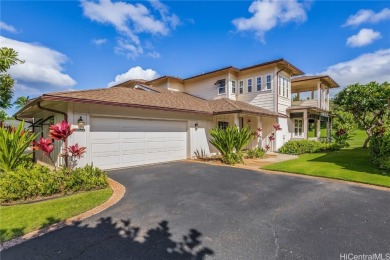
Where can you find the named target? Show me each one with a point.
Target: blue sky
(90, 44)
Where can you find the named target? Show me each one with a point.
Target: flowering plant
(277, 127)
(61, 131)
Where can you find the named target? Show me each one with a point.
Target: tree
(367, 103)
(3, 115)
(21, 101)
(8, 57)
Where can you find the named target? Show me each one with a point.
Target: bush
(341, 137)
(380, 150)
(230, 142)
(255, 153)
(307, 146)
(31, 181)
(13, 144)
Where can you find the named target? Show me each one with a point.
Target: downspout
(66, 120)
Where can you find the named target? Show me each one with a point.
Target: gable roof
(159, 99)
(282, 63)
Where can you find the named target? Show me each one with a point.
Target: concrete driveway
(188, 210)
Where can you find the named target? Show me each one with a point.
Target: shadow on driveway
(111, 240)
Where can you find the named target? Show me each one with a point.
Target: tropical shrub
(307, 146)
(341, 137)
(255, 153)
(13, 145)
(30, 181)
(230, 142)
(380, 148)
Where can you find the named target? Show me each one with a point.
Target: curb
(118, 193)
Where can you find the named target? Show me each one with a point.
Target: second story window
(249, 85)
(269, 82)
(241, 87)
(221, 85)
(258, 83)
(233, 87)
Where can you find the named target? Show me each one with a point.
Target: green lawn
(20, 219)
(352, 164)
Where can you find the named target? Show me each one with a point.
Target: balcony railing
(311, 103)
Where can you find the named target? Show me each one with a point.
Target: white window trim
(247, 85)
(261, 83)
(222, 121)
(234, 87)
(302, 128)
(221, 94)
(266, 82)
(240, 87)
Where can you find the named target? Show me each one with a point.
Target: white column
(319, 94)
(259, 125)
(328, 101)
(305, 124)
(318, 129)
(236, 120)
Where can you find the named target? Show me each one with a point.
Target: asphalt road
(188, 210)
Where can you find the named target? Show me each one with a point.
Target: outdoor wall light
(196, 125)
(80, 123)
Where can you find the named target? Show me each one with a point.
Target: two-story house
(141, 122)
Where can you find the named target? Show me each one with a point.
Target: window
(241, 86)
(298, 127)
(221, 84)
(233, 87)
(223, 125)
(286, 87)
(269, 82)
(249, 85)
(283, 86)
(280, 85)
(258, 83)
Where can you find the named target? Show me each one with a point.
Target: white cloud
(126, 48)
(134, 73)
(365, 68)
(267, 14)
(154, 54)
(42, 69)
(99, 42)
(363, 37)
(7, 27)
(130, 20)
(367, 16)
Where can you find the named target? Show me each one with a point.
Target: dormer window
(221, 85)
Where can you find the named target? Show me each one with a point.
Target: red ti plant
(277, 127)
(271, 137)
(74, 151)
(267, 147)
(44, 145)
(61, 131)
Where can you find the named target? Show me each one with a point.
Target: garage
(123, 142)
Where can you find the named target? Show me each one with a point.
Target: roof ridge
(74, 91)
(230, 103)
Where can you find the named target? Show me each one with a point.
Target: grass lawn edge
(339, 180)
(118, 191)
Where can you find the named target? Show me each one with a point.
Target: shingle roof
(159, 99)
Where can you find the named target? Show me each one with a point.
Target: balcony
(324, 105)
(312, 91)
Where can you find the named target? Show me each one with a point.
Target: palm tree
(21, 101)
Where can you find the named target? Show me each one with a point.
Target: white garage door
(119, 142)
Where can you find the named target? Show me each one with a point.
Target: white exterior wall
(174, 85)
(205, 88)
(264, 98)
(282, 136)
